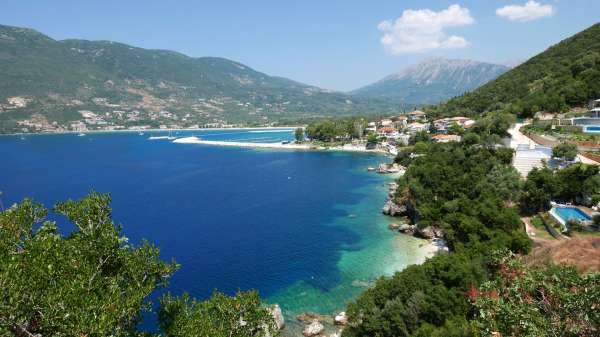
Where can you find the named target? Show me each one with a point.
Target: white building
(417, 127)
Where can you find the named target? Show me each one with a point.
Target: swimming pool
(591, 129)
(571, 213)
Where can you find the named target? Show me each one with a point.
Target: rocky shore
(407, 225)
(314, 324)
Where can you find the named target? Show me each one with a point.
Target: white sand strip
(279, 145)
(196, 140)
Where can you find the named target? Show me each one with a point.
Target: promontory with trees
(92, 282)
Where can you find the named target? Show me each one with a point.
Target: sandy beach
(278, 145)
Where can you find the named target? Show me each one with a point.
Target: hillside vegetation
(471, 192)
(565, 75)
(57, 80)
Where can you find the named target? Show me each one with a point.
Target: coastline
(291, 128)
(290, 146)
(380, 253)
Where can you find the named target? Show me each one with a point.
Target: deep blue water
(276, 221)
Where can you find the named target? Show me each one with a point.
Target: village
(398, 130)
(102, 114)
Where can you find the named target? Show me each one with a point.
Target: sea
(304, 228)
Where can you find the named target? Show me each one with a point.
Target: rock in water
(394, 226)
(341, 318)
(387, 207)
(396, 209)
(426, 233)
(277, 316)
(407, 229)
(313, 329)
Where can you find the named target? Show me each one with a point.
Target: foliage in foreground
(240, 316)
(92, 282)
(553, 301)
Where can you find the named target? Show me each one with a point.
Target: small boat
(168, 137)
(141, 133)
(81, 134)
(371, 169)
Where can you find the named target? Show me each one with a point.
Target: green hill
(54, 81)
(565, 75)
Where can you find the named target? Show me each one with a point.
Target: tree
(299, 135)
(92, 282)
(596, 221)
(220, 316)
(578, 182)
(525, 301)
(539, 189)
(421, 136)
(359, 128)
(564, 151)
(503, 182)
(456, 129)
(372, 138)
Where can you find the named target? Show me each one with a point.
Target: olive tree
(93, 282)
(564, 151)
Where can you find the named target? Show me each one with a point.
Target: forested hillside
(563, 76)
(43, 81)
(470, 191)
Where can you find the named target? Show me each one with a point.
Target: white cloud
(423, 29)
(532, 10)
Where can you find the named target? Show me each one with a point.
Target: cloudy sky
(334, 44)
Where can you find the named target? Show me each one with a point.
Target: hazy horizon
(338, 45)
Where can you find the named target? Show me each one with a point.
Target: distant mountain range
(48, 82)
(433, 81)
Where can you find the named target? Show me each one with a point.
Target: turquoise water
(572, 213)
(304, 228)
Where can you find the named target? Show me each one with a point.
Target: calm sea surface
(304, 228)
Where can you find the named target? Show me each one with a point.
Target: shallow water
(304, 228)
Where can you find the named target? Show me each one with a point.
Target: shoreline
(291, 128)
(281, 146)
(381, 254)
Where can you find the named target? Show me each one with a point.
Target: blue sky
(334, 44)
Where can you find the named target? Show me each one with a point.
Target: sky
(334, 44)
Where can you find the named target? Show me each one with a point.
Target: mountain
(565, 75)
(433, 81)
(49, 84)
